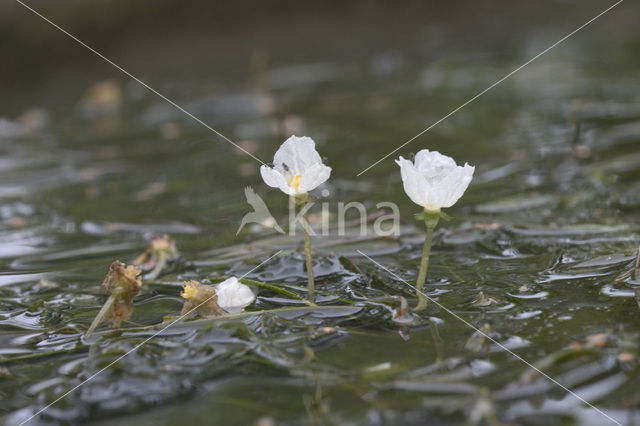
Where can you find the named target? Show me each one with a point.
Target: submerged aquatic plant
(122, 283)
(297, 169)
(433, 181)
(160, 250)
(228, 297)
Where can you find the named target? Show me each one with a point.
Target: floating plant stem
(160, 263)
(103, 311)
(431, 220)
(276, 289)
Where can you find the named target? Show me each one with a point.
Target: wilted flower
(122, 282)
(233, 296)
(156, 247)
(201, 299)
(230, 296)
(160, 250)
(433, 180)
(297, 167)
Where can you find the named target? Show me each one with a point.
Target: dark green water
(539, 253)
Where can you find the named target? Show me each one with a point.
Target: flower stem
(307, 252)
(98, 319)
(431, 220)
(302, 200)
(160, 264)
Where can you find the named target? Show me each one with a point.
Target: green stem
(276, 289)
(161, 262)
(100, 315)
(302, 200)
(431, 220)
(307, 252)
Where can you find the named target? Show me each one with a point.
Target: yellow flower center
(294, 182)
(188, 291)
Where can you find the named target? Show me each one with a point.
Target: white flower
(434, 181)
(297, 167)
(233, 296)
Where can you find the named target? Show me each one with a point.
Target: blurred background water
(540, 253)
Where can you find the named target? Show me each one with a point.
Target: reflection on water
(540, 255)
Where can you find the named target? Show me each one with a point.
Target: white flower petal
(434, 181)
(233, 296)
(275, 179)
(315, 176)
(413, 182)
(431, 163)
(296, 154)
(457, 183)
(297, 167)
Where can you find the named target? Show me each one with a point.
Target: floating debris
(483, 300)
(625, 357)
(487, 226)
(479, 342)
(44, 284)
(402, 313)
(4, 372)
(483, 410)
(598, 340)
(122, 283)
(102, 98)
